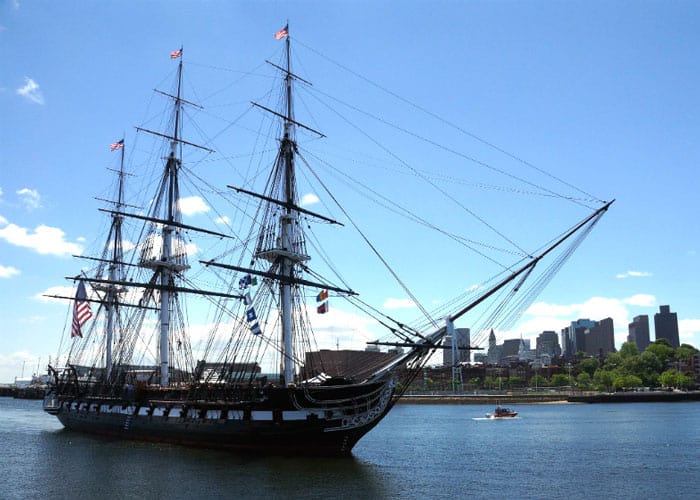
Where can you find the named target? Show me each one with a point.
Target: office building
(666, 326)
(639, 332)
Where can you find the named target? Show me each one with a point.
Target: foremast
(115, 268)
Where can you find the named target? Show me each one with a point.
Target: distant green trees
(628, 368)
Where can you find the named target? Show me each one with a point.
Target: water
(419, 451)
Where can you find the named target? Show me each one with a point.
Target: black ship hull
(319, 421)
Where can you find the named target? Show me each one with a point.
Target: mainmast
(286, 250)
(168, 266)
(288, 226)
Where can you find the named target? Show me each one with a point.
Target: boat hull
(331, 427)
(502, 417)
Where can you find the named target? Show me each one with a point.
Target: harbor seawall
(551, 398)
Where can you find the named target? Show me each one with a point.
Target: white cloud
(392, 303)
(61, 291)
(191, 249)
(45, 240)
(634, 274)
(191, 205)
(31, 91)
(309, 199)
(3, 221)
(689, 330)
(223, 220)
(341, 328)
(8, 271)
(641, 299)
(30, 197)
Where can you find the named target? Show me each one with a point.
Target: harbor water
(641, 450)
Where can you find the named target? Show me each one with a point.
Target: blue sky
(602, 94)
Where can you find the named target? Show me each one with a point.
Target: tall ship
(142, 364)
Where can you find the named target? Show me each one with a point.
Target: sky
(604, 95)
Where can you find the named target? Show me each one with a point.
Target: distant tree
(475, 382)
(626, 382)
(589, 365)
(584, 380)
(490, 382)
(685, 352)
(560, 380)
(662, 350)
(651, 362)
(684, 381)
(538, 380)
(674, 378)
(512, 382)
(669, 378)
(603, 379)
(613, 360)
(628, 349)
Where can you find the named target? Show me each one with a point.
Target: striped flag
(116, 145)
(81, 310)
(175, 54)
(282, 33)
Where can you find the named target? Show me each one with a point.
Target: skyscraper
(666, 326)
(574, 337)
(548, 343)
(639, 332)
(600, 339)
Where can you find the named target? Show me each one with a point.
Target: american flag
(175, 54)
(282, 33)
(116, 145)
(81, 310)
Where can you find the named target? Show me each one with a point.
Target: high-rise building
(666, 326)
(494, 352)
(574, 336)
(600, 339)
(548, 343)
(639, 331)
(463, 336)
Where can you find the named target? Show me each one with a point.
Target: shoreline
(557, 398)
(483, 399)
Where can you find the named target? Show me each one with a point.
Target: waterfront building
(494, 352)
(666, 326)
(509, 351)
(639, 332)
(600, 339)
(548, 343)
(573, 337)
